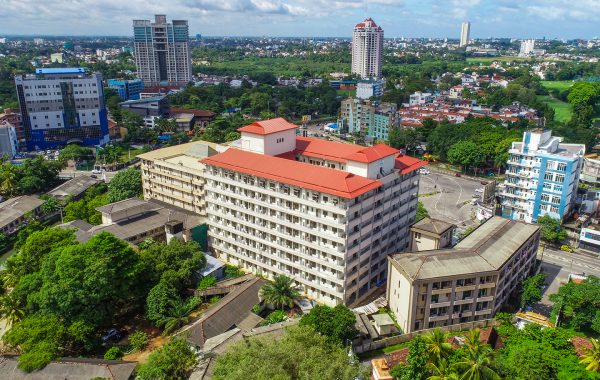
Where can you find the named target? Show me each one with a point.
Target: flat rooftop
(73, 187)
(486, 249)
(189, 154)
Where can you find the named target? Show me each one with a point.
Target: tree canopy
(173, 361)
(125, 184)
(551, 230)
(299, 354)
(577, 305)
(336, 323)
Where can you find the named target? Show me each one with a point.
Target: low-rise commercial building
(466, 283)
(150, 109)
(367, 89)
(74, 189)
(127, 89)
(326, 214)
(14, 212)
(590, 173)
(175, 175)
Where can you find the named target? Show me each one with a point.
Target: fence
(390, 341)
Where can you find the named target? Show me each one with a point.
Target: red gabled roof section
(368, 23)
(407, 164)
(266, 127)
(327, 150)
(373, 153)
(325, 180)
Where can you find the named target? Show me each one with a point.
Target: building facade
(326, 214)
(469, 282)
(162, 51)
(127, 89)
(372, 119)
(465, 33)
(527, 47)
(175, 176)
(366, 89)
(13, 118)
(541, 177)
(367, 49)
(150, 109)
(590, 173)
(9, 143)
(62, 105)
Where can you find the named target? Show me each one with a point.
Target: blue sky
(399, 18)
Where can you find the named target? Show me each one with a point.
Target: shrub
(275, 317)
(207, 282)
(113, 353)
(138, 340)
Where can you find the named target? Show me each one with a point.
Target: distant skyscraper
(367, 49)
(465, 31)
(162, 51)
(527, 47)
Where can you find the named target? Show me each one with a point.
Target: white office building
(367, 89)
(541, 177)
(465, 33)
(367, 49)
(162, 51)
(326, 214)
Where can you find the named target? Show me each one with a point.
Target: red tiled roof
(266, 127)
(407, 164)
(326, 180)
(373, 153)
(396, 357)
(582, 345)
(327, 150)
(368, 23)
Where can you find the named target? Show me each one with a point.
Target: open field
(346, 93)
(559, 85)
(562, 110)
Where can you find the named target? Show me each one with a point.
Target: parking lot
(449, 198)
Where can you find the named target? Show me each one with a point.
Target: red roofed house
(324, 213)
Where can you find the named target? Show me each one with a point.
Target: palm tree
(179, 315)
(281, 292)
(592, 358)
(441, 371)
(477, 364)
(9, 180)
(10, 309)
(438, 347)
(473, 341)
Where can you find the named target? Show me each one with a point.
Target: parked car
(424, 171)
(112, 335)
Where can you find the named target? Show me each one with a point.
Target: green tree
(437, 344)
(11, 309)
(173, 361)
(178, 314)
(441, 371)
(404, 138)
(125, 184)
(591, 359)
(281, 292)
(532, 289)
(551, 230)
(422, 212)
(113, 353)
(159, 300)
(577, 304)
(467, 154)
(207, 282)
(336, 323)
(299, 354)
(138, 340)
(50, 206)
(477, 365)
(415, 367)
(75, 152)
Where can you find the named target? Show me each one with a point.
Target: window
(417, 235)
(548, 176)
(554, 209)
(561, 166)
(545, 198)
(547, 186)
(559, 178)
(556, 200)
(558, 188)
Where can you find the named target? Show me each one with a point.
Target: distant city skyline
(310, 18)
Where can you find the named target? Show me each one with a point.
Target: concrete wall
(271, 144)
(400, 298)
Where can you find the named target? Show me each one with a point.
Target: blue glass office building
(127, 89)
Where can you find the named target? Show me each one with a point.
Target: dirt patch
(142, 356)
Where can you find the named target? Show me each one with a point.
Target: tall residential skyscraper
(62, 105)
(541, 177)
(162, 51)
(367, 49)
(527, 47)
(465, 31)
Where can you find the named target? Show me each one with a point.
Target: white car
(424, 171)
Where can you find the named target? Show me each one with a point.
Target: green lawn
(559, 85)
(562, 110)
(125, 155)
(346, 93)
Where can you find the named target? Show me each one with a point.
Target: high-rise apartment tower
(162, 51)
(465, 31)
(367, 49)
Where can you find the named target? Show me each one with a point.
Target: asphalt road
(558, 265)
(448, 198)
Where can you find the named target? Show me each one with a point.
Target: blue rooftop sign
(61, 70)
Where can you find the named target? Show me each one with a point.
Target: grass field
(346, 93)
(562, 110)
(494, 59)
(559, 85)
